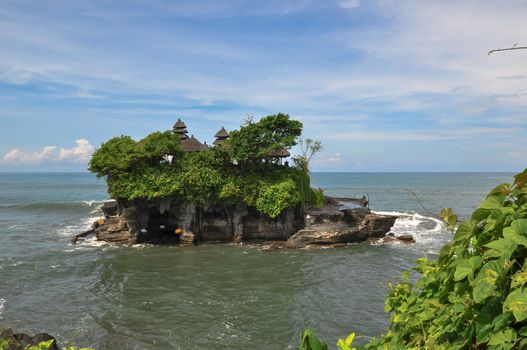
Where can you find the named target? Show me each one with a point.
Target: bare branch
(514, 47)
(418, 200)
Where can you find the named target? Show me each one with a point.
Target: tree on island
(243, 168)
(256, 142)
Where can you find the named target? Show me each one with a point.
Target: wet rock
(109, 208)
(330, 226)
(156, 221)
(21, 341)
(407, 239)
(188, 239)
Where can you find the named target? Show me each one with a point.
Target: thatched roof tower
(221, 136)
(181, 129)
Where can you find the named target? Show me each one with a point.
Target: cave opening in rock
(161, 228)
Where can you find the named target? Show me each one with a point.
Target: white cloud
(79, 155)
(350, 4)
(328, 160)
(17, 156)
(445, 134)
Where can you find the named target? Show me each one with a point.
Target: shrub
(475, 295)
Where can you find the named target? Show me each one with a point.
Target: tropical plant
(475, 295)
(257, 141)
(115, 157)
(309, 148)
(156, 146)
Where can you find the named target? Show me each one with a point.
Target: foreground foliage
(475, 295)
(46, 345)
(242, 171)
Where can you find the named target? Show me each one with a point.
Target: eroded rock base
(174, 222)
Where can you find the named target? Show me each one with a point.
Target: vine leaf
(516, 302)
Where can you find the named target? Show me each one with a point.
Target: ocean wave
(426, 230)
(91, 205)
(2, 303)
(82, 225)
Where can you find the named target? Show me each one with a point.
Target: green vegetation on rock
(246, 169)
(475, 295)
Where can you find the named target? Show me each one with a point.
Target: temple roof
(179, 124)
(222, 134)
(192, 145)
(279, 153)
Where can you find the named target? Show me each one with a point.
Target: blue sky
(386, 85)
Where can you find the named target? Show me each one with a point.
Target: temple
(221, 137)
(188, 144)
(191, 144)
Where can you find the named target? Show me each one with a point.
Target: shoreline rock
(21, 341)
(173, 222)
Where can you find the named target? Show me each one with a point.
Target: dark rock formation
(332, 226)
(21, 341)
(170, 221)
(109, 209)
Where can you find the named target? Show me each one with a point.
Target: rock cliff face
(333, 226)
(175, 222)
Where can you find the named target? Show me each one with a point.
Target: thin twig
(514, 47)
(418, 200)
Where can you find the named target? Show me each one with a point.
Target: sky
(385, 85)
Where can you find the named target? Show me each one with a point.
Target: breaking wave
(427, 231)
(43, 207)
(2, 303)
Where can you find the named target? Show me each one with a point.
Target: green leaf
(483, 333)
(520, 179)
(500, 322)
(347, 343)
(520, 226)
(310, 342)
(463, 269)
(485, 282)
(466, 268)
(492, 202)
(504, 339)
(511, 234)
(516, 302)
(504, 189)
(464, 231)
(503, 247)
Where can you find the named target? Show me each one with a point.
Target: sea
(106, 296)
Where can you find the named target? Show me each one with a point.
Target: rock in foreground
(21, 341)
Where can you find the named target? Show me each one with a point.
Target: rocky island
(169, 188)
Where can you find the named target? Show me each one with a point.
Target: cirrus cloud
(350, 4)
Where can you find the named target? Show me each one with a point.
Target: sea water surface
(208, 297)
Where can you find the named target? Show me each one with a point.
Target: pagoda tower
(181, 129)
(221, 136)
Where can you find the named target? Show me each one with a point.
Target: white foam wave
(91, 242)
(2, 303)
(427, 231)
(93, 202)
(83, 225)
